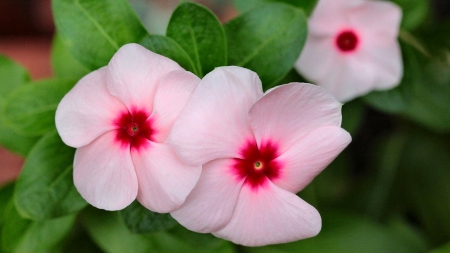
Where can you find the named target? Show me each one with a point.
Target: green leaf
(169, 48)
(45, 188)
(20, 235)
(246, 5)
(198, 31)
(94, 30)
(442, 249)
(270, 45)
(30, 109)
(63, 63)
(12, 76)
(414, 12)
(423, 93)
(140, 220)
(351, 234)
(6, 193)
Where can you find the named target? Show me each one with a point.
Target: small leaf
(45, 188)
(63, 63)
(20, 235)
(30, 109)
(169, 48)
(198, 31)
(414, 12)
(140, 220)
(270, 45)
(246, 5)
(94, 30)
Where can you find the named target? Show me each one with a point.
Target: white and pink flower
(258, 150)
(118, 118)
(352, 47)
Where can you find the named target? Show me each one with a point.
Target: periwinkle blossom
(352, 47)
(118, 117)
(258, 151)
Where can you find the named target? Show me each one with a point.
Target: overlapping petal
(134, 73)
(309, 156)
(269, 216)
(164, 180)
(87, 111)
(215, 120)
(174, 91)
(211, 203)
(104, 175)
(291, 111)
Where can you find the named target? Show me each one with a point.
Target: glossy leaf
(64, 65)
(170, 49)
(245, 5)
(30, 109)
(198, 31)
(94, 30)
(20, 235)
(423, 93)
(140, 220)
(270, 45)
(45, 188)
(12, 76)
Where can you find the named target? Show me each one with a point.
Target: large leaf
(270, 45)
(200, 34)
(139, 219)
(245, 5)
(352, 234)
(45, 188)
(170, 49)
(30, 109)
(20, 235)
(6, 192)
(423, 94)
(64, 65)
(94, 30)
(12, 76)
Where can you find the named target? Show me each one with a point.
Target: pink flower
(258, 150)
(118, 118)
(352, 47)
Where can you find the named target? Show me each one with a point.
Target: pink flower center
(347, 41)
(257, 164)
(133, 129)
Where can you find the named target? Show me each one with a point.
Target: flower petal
(292, 111)
(215, 121)
(269, 216)
(387, 60)
(164, 181)
(210, 205)
(174, 91)
(87, 111)
(309, 156)
(104, 175)
(134, 73)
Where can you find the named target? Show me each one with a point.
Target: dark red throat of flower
(347, 41)
(134, 129)
(257, 165)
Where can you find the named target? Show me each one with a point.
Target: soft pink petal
(174, 91)
(268, 216)
(292, 111)
(330, 15)
(164, 181)
(215, 121)
(87, 111)
(309, 156)
(104, 175)
(134, 73)
(376, 19)
(387, 60)
(210, 205)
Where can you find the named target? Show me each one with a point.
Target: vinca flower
(258, 150)
(352, 47)
(118, 117)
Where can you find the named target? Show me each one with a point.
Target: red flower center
(257, 164)
(134, 129)
(347, 41)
